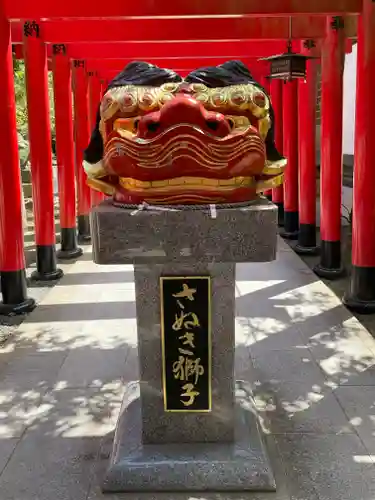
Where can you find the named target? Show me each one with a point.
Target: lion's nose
(183, 110)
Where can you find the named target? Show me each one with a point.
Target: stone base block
(239, 466)
(125, 236)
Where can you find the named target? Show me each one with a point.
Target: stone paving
(310, 364)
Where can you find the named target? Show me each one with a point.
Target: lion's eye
(237, 122)
(259, 99)
(231, 123)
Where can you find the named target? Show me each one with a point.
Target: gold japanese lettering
(185, 368)
(185, 352)
(181, 322)
(188, 339)
(189, 393)
(180, 304)
(187, 293)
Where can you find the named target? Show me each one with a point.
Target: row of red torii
(86, 45)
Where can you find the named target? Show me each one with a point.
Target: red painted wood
(62, 78)
(229, 49)
(276, 91)
(235, 28)
(278, 194)
(118, 64)
(95, 93)
(40, 140)
(81, 135)
(348, 46)
(307, 144)
(264, 81)
(11, 231)
(38, 9)
(178, 50)
(17, 50)
(364, 170)
(94, 98)
(290, 141)
(331, 134)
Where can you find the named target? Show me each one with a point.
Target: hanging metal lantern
(287, 66)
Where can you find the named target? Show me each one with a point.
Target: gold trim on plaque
(209, 338)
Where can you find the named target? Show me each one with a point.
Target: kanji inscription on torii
(186, 343)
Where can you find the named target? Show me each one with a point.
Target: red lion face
(185, 143)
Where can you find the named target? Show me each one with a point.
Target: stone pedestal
(154, 449)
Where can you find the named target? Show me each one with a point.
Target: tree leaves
(21, 107)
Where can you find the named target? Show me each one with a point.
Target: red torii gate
(86, 9)
(82, 117)
(165, 29)
(232, 20)
(157, 49)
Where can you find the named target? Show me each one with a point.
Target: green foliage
(51, 102)
(20, 93)
(21, 108)
(23, 149)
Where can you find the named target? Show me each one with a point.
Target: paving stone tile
(344, 360)
(83, 312)
(286, 319)
(261, 271)
(243, 334)
(300, 408)
(56, 456)
(104, 276)
(109, 334)
(36, 371)
(86, 293)
(47, 467)
(287, 366)
(359, 405)
(7, 447)
(335, 467)
(338, 322)
(87, 366)
(321, 323)
(279, 305)
(18, 411)
(243, 366)
(270, 337)
(38, 337)
(76, 413)
(369, 444)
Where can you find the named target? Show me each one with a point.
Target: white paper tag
(141, 207)
(213, 211)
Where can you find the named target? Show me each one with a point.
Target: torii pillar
(36, 66)
(333, 59)
(290, 151)
(12, 257)
(82, 138)
(62, 79)
(95, 94)
(307, 154)
(276, 91)
(361, 294)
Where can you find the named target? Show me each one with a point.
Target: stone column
(158, 448)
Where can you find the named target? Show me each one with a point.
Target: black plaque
(31, 28)
(186, 343)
